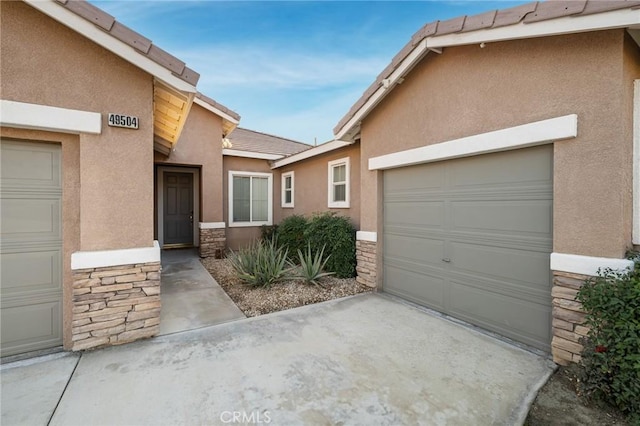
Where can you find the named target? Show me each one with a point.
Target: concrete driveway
(368, 359)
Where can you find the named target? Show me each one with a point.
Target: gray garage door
(30, 246)
(472, 237)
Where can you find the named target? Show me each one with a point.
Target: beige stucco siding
(46, 63)
(469, 90)
(238, 237)
(311, 185)
(200, 145)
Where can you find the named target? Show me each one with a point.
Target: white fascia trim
(215, 110)
(567, 25)
(42, 117)
(103, 258)
(636, 163)
(212, 225)
(531, 134)
(250, 154)
(586, 265)
(571, 24)
(104, 39)
(367, 236)
(320, 149)
(405, 66)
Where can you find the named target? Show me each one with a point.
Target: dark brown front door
(178, 208)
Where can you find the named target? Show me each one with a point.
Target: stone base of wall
(568, 318)
(115, 305)
(366, 263)
(213, 242)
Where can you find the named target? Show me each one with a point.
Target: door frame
(160, 200)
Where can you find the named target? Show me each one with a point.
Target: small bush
(339, 237)
(311, 267)
(261, 264)
(611, 357)
(268, 232)
(291, 234)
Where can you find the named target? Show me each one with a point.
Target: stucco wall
(311, 185)
(469, 90)
(46, 63)
(70, 209)
(238, 237)
(200, 145)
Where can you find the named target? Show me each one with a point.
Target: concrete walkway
(191, 299)
(367, 359)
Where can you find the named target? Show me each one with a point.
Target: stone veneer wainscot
(568, 318)
(366, 263)
(213, 242)
(115, 304)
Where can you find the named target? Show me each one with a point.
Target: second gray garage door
(472, 237)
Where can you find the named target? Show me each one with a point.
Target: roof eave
(625, 18)
(107, 41)
(229, 123)
(312, 152)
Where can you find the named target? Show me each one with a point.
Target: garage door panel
(418, 287)
(511, 217)
(31, 272)
(502, 314)
(513, 266)
(28, 219)
(495, 234)
(424, 250)
(503, 169)
(420, 214)
(31, 326)
(407, 180)
(31, 165)
(30, 246)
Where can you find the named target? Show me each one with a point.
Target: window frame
(251, 223)
(331, 184)
(284, 190)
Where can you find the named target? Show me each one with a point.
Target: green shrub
(611, 357)
(311, 267)
(291, 234)
(339, 237)
(268, 232)
(261, 264)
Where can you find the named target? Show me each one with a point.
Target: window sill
(248, 224)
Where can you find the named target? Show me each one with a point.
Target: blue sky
(289, 68)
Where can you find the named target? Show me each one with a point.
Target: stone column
(366, 267)
(115, 304)
(568, 318)
(213, 242)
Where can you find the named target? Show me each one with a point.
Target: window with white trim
(250, 199)
(338, 175)
(287, 189)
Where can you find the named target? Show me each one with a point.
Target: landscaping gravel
(254, 301)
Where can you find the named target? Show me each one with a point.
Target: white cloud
(254, 66)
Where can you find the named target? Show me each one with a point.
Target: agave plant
(261, 264)
(311, 267)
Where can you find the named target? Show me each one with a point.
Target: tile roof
(219, 106)
(252, 141)
(536, 11)
(143, 45)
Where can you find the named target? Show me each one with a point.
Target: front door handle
(191, 217)
(446, 259)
